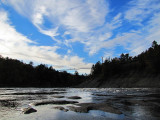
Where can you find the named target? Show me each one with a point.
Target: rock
(101, 95)
(28, 110)
(61, 108)
(78, 109)
(35, 93)
(85, 107)
(58, 96)
(141, 102)
(8, 103)
(74, 97)
(59, 89)
(61, 102)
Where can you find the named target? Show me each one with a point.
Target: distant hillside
(126, 71)
(14, 73)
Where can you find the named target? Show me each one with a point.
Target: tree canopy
(146, 62)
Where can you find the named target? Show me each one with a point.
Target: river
(94, 103)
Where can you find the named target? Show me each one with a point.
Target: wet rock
(8, 103)
(9, 89)
(74, 97)
(101, 95)
(153, 95)
(34, 93)
(58, 96)
(125, 96)
(78, 109)
(140, 102)
(61, 108)
(85, 107)
(28, 110)
(62, 102)
(126, 102)
(59, 89)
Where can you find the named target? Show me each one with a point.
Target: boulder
(60, 102)
(61, 108)
(85, 107)
(28, 110)
(58, 96)
(74, 97)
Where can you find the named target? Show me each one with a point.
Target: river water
(133, 103)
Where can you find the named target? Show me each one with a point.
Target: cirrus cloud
(15, 45)
(95, 24)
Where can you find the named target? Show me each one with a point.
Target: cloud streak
(16, 45)
(76, 17)
(92, 23)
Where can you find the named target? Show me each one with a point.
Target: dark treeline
(147, 62)
(14, 73)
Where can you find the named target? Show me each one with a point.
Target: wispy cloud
(78, 18)
(139, 10)
(145, 13)
(94, 23)
(16, 45)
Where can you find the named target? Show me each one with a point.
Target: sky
(74, 34)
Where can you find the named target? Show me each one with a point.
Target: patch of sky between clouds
(117, 3)
(63, 50)
(99, 55)
(125, 28)
(47, 24)
(25, 27)
(146, 21)
(119, 50)
(63, 36)
(117, 6)
(80, 49)
(75, 48)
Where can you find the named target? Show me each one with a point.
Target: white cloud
(86, 21)
(15, 45)
(137, 41)
(73, 14)
(109, 54)
(140, 9)
(77, 17)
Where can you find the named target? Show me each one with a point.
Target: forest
(145, 64)
(14, 73)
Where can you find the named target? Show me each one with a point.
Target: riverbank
(121, 81)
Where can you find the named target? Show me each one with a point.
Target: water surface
(134, 103)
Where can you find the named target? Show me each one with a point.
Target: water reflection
(134, 103)
(97, 113)
(143, 112)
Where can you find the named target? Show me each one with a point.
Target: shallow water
(134, 103)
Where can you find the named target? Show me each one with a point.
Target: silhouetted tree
(18, 74)
(146, 62)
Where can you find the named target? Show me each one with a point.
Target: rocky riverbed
(79, 104)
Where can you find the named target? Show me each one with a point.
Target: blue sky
(74, 34)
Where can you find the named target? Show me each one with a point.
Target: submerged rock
(78, 109)
(8, 103)
(28, 110)
(85, 107)
(61, 108)
(35, 93)
(74, 97)
(59, 89)
(58, 96)
(61, 102)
